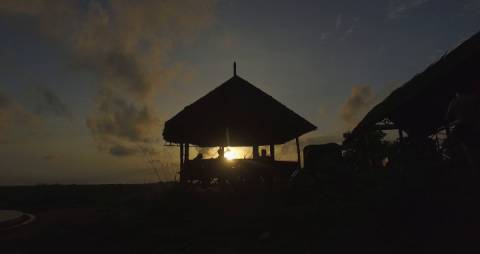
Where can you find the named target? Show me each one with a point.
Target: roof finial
(234, 69)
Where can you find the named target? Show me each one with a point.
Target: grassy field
(168, 218)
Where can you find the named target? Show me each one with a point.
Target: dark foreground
(166, 218)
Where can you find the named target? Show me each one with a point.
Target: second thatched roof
(419, 106)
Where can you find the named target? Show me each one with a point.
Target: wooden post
(181, 164)
(400, 135)
(272, 152)
(299, 160)
(400, 139)
(187, 153)
(181, 156)
(255, 152)
(367, 152)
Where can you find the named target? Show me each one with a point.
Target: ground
(168, 218)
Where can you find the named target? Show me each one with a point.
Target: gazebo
(235, 114)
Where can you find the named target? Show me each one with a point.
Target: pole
(299, 161)
(255, 152)
(272, 152)
(181, 156)
(187, 153)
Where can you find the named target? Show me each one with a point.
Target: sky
(86, 85)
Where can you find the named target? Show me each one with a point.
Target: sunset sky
(84, 84)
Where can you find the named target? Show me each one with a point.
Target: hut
(418, 108)
(235, 114)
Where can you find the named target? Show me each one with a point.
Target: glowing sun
(231, 154)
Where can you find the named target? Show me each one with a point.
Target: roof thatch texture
(419, 106)
(235, 114)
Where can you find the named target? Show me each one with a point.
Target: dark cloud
(118, 118)
(50, 103)
(359, 100)
(13, 115)
(127, 44)
(122, 151)
(49, 157)
(126, 150)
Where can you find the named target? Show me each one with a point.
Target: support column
(400, 139)
(272, 152)
(255, 154)
(367, 152)
(181, 156)
(187, 153)
(299, 160)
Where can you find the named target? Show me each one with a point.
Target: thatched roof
(419, 106)
(235, 114)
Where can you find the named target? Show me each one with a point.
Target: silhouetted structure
(234, 114)
(419, 106)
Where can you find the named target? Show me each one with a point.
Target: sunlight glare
(230, 154)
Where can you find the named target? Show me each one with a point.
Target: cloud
(359, 100)
(121, 151)
(323, 36)
(472, 6)
(128, 46)
(207, 152)
(118, 119)
(50, 103)
(13, 115)
(49, 157)
(348, 32)
(350, 29)
(338, 21)
(399, 8)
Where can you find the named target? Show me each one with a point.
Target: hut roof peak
(251, 116)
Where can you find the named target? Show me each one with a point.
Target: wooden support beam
(400, 139)
(181, 156)
(255, 154)
(272, 152)
(187, 153)
(299, 160)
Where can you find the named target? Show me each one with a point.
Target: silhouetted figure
(221, 152)
(264, 154)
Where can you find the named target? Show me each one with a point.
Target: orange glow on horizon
(232, 153)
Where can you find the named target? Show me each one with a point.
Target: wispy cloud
(338, 21)
(351, 28)
(359, 100)
(323, 36)
(399, 8)
(471, 6)
(50, 104)
(348, 32)
(14, 116)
